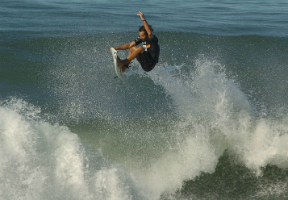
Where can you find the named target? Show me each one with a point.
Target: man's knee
(137, 49)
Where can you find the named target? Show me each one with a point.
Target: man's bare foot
(124, 69)
(122, 63)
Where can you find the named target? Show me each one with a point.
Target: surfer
(147, 54)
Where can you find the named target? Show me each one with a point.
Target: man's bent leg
(134, 51)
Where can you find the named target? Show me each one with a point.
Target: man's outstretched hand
(141, 15)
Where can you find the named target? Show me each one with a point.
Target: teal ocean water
(209, 122)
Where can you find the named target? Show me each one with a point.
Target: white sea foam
(215, 115)
(44, 161)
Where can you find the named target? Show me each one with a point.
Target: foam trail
(193, 154)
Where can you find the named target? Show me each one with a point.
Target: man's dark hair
(142, 28)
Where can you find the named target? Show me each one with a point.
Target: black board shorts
(146, 61)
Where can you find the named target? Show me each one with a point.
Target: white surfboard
(118, 70)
